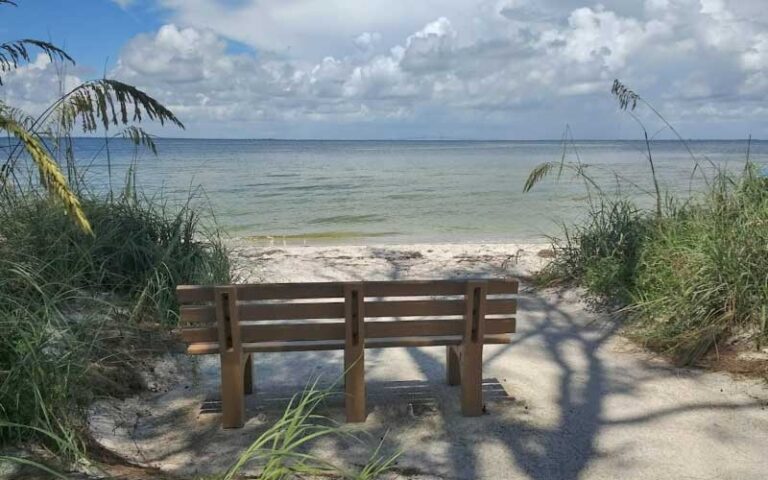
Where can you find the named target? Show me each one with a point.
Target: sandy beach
(568, 398)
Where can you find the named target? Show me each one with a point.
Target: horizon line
(559, 140)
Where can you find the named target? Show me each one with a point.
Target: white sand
(569, 398)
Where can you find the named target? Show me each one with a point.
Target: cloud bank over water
(456, 69)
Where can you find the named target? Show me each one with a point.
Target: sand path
(568, 398)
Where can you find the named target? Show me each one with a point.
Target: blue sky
(92, 30)
(517, 69)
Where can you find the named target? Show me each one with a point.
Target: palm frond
(537, 175)
(12, 54)
(50, 174)
(101, 103)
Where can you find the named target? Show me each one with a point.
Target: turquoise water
(397, 191)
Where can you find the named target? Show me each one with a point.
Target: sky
(411, 69)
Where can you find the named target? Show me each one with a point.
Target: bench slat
(288, 291)
(501, 307)
(211, 347)
(197, 314)
(335, 331)
(291, 311)
(192, 294)
(204, 314)
(413, 308)
(430, 288)
(433, 308)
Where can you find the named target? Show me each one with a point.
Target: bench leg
(232, 394)
(354, 386)
(472, 350)
(453, 365)
(472, 380)
(248, 374)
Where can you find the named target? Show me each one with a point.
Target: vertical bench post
(354, 352)
(231, 353)
(472, 349)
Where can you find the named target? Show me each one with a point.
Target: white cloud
(321, 67)
(33, 86)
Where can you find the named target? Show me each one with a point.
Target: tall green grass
(141, 249)
(78, 312)
(703, 271)
(691, 272)
(280, 452)
(689, 279)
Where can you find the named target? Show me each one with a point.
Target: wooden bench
(236, 321)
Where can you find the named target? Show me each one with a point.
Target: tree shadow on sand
(573, 348)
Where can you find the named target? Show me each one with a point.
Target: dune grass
(703, 273)
(280, 452)
(78, 311)
(690, 273)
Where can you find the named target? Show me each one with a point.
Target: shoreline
(359, 239)
(308, 263)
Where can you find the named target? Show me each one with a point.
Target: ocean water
(398, 191)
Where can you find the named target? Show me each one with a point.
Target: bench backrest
(315, 316)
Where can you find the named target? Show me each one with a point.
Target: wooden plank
(328, 310)
(291, 311)
(187, 294)
(503, 286)
(413, 328)
(419, 328)
(413, 308)
(293, 332)
(430, 288)
(200, 335)
(501, 307)
(230, 351)
(288, 291)
(197, 314)
(192, 294)
(335, 331)
(495, 326)
(321, 345)
(414, 288)
(472, 350)
(435, 328)
(354, 352)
